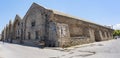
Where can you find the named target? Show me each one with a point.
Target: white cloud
(116, 27)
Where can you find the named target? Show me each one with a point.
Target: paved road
(105, 49)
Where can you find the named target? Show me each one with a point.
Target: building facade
(55, 28)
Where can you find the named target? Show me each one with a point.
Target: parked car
(116, 37)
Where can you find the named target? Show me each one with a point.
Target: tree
(116, 33)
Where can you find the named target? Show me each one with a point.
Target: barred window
(18, 23)
(33, 24)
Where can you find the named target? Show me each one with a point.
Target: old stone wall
(52, 36)
(63, 34)
(54, 28)
(83, 32)
(35, 23)
(16, 29)
(38, 26)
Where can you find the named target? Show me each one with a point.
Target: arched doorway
(97, 36)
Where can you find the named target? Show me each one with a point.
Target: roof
(67, 15)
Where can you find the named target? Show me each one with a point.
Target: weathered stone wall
(54, 28)
(83, 32)
(38, 26)
(63, 34)
(16, 29)
(35, 23)
(52, 36)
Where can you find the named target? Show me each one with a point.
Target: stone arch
(97, 35)
(35, 22)
(16, 27)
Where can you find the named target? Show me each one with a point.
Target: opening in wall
(29, 35)
(33, 24)
(97, 36)
(36, 35)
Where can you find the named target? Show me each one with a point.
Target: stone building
(55, 28)
(0, 36)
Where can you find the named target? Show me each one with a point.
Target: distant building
(109, 26)
(55, 28)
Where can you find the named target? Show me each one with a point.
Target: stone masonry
(55, 28)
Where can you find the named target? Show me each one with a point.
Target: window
(29, 35)
(36, 34)
(46, 15)
(18, 32)
(33, 24)
(22, 24)
(18, 23)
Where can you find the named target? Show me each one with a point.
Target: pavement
(103, 49)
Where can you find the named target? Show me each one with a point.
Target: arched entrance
(97, 36)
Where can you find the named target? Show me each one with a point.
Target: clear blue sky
(104, 12)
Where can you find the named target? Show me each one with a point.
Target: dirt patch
(68, 50)
(88, 53)
(91, 45)
(84, 55)
(71, 52)
(64, 50)
(63, 55)
(54, 57)
(100, 45)
(71, 57)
